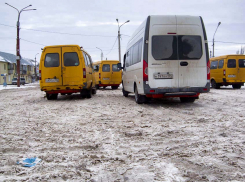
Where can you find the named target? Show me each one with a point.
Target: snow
(111, 138)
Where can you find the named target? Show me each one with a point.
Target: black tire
(187, 99)
(114, 87)
(94, 91)
(83, 93)
(139, 99)
(89, 93)
(125, 93)
(52, 96)
(97, 86)
(236, 86)
(215, 85)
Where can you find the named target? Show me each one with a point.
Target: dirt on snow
(111, 138)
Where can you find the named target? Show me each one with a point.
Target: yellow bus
(66, 69)
(227, 70)
(107, 74)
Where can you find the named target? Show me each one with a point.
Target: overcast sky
(92, 23)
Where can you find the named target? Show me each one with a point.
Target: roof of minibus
(226, 56)
(71, 45)
(106, 61)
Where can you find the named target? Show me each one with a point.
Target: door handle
(183, 63)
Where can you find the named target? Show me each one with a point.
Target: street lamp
(119, 45)
(101, 53)
(36, 68)
(18, 57)
(213, 37)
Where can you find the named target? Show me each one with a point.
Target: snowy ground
(111, 138)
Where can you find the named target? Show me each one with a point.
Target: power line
(112, 47)
(63, 33)
(32, 42)
(227, 42)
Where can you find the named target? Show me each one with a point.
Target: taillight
(99, 76)
(40, 76)
(224, 72)
(145, 71)
(208, 70)
(84, 72)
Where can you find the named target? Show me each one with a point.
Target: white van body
(167, 56)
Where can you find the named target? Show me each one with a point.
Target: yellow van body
(227, 70)
(66, 69)
(107, 74)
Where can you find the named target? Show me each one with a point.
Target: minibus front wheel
(51, 96)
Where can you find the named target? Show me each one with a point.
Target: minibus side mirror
(119, 66)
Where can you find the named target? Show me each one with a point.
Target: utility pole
(18, 57)
(119, 36)
(213, 36)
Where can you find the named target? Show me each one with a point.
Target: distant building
(8, 66)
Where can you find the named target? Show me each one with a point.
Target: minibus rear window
(52, 60)
(164, 47)
(106, 68)
(241, 63)
(214, 65)
(189, 47)
(172, 47)
(71, 59)
(115, 67)
(231, 63)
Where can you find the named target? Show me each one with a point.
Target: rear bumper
(233, 82)
(63, 89)
(176, 92)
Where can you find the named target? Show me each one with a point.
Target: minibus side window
(231, 63)
(241, 63)
(189, 47)
(71, 59)
(140, 50)
(164, 47)
(221, 63)
(52, 60)
(127, 59)
(214, 65)
(106, 68)
(115, 68)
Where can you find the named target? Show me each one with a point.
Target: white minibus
(167, 56)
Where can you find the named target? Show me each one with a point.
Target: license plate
(106, 78)
(163, 76)
(51, 80)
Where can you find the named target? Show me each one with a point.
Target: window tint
(127, 59)
(231, 63)
(167, 47)
(115, 68)
(164, 47)
(214, 65)
(189, 47)
(52, 60)
(241, 63)
(133, 55)
(106, 68)
(71, 59)
(221, 63)
(95, 66)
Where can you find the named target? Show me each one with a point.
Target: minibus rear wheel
(187, 99)
(139, 99)
(89, 92)
(114, 87)
(237, 86)
(215, 85)
(125, 93)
